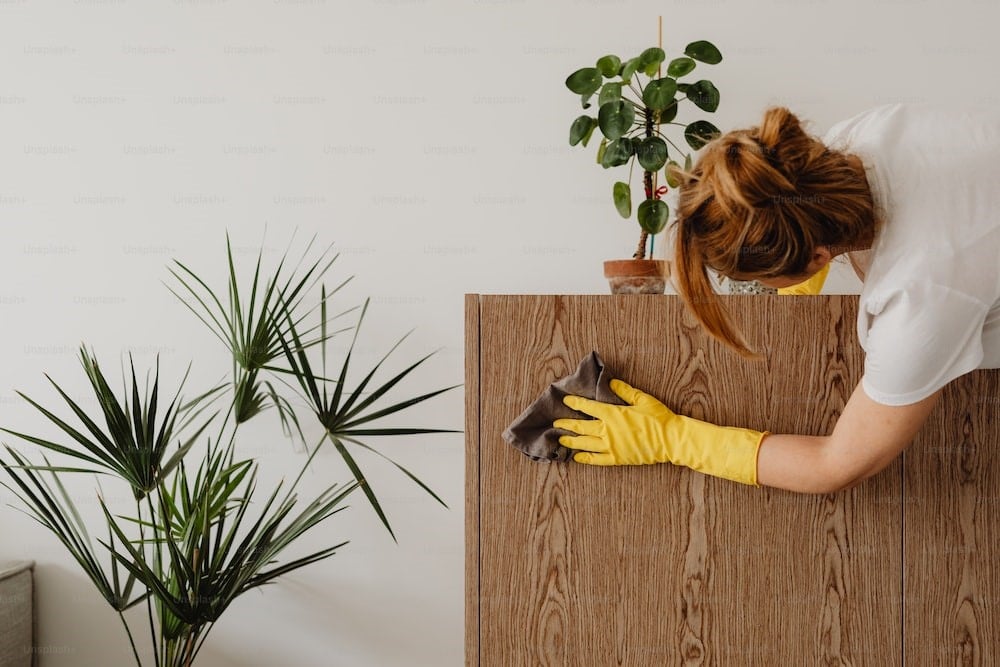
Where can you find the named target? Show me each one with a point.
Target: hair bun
(783, 140)
(779, 125)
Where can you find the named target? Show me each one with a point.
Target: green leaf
(629, 68)
(653, 215)
(699, 133)
(678, 67)
(364, 484)
(672, 181)
(704, 94)
(652, 153)
(610, 92)
(668, 114)
(601, 150)
(251, 333)
(683, 87)
(56, 511)
(650, 59)
(615, 118)
(687, 161)
(618, 152)
(622, 194)
(608, 65)
(659, 93)
(585, 81)
(344, 410)
(580, 128)
(704, 51)
(404, 470)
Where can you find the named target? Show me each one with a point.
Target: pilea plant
(631, 127)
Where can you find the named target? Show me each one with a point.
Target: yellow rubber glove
(811, 286)
(646, 431)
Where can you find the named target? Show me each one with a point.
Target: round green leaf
(671, 180)
(601, 149)
(581, 128)
(703, 51)
(678, 67)
(584, 81)
(608, 65)
(628, 69)
(650, 59)
(653, 215)
(652, 153)
(622, 194)
(699, 133)
(618, 153)
(610, 92)
(659, 93)
(704, 94)
(683, 87)
(615, 118)
(668, 114)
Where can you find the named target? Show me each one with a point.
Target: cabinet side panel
(471, 479)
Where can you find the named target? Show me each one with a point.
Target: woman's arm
(866, 439)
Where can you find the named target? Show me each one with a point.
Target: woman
(910, 193)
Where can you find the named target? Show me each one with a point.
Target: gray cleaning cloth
(532, 431)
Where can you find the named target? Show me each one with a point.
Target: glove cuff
(721, 451)
(812, 285)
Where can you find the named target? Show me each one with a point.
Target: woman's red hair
(756, 205)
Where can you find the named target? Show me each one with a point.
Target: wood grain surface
(471, 478)
(951, 498)
(659, 565)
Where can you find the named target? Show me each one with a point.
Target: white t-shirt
(929, 311)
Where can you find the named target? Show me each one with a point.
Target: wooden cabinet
(583, 566)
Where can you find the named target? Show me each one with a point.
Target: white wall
(427, 139)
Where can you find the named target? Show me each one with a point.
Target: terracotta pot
(637, 276)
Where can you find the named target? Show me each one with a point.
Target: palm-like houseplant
(631, 128)
(189, 542)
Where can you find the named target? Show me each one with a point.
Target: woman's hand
(646, 431)
(633, 434)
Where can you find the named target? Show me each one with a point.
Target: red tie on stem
(660, 191)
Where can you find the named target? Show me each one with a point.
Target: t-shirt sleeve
(924, 336)
(871, 122)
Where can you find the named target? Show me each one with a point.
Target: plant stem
(131, 640)
(667, 139)
(306, 465)
(638, 83)
(640, 251)
(225, 422)
(635, 90)
(187, 655)
(158, 545)
(201, 641)
(632, 102)
(647, 179)
(149, 598)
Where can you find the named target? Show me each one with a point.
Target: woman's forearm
(795, 463)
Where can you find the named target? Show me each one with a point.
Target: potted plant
(185, 529)
(631, 129)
